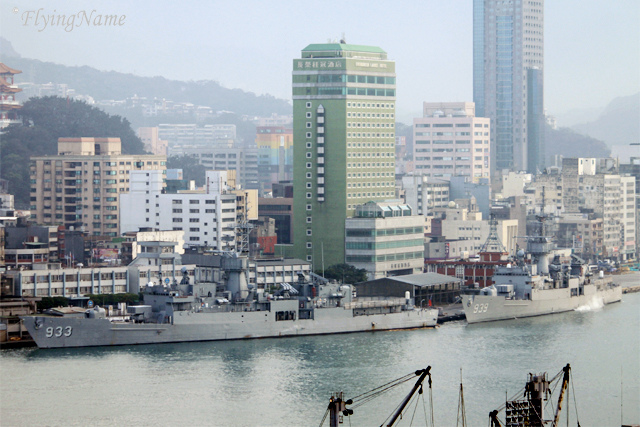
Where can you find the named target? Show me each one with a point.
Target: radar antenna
(493, 242)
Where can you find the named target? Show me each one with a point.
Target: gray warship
(183, 312)
(523, 289)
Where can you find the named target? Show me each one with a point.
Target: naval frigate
(183, 312)
(539, 287)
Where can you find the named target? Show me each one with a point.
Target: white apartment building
(423, 194)
(513, 183)
(449, 140)
(244, 160)
(188, 134)
(628, 219)
(207, 217)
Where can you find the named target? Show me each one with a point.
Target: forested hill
(105, 85)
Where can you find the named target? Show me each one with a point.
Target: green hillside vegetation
(105, 85)
(44, 120)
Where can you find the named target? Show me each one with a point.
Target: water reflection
(288, 381)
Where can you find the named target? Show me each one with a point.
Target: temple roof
(5, 87)
(8, 70)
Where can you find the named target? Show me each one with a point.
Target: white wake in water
(596, 303)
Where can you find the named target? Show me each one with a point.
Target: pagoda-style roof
(8, 70)
(5, 87)
(7, 107)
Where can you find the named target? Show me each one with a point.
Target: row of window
(370, 184)
(371, 115)
(385, 245)
(383, 258)
(365, 165)
(342, 91)
(359, 195)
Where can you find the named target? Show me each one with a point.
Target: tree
(192, 170)
(345, 273)
(44, 120)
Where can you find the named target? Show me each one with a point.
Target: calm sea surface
(281, 382)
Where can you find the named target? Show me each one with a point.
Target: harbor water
(287, 382)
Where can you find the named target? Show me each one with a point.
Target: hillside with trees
(107, 85)
(44, 120)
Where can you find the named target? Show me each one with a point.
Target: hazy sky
(592, 47)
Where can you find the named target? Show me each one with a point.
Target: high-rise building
(344, 136)
(508, 64)
(80, 186)
(449, 140)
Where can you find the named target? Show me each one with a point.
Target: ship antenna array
(243, 228)
(338, 405)
(493, 242)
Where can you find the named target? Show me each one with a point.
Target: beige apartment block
(449, 140)
(152, 142)
(80, 186)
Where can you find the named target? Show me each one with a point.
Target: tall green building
(344, 143)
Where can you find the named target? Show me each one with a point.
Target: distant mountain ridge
(618, 124)
(106, 85)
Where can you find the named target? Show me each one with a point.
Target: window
(308, 220)
(308, 114)
(308, 154)
(308, 134)
(308, 185)
(308, 232)
(308, 105)
(309, 245)
(308, 195)
(285, 315)
(194, 219)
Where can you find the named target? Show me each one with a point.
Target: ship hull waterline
(66, 332)
(486, 308)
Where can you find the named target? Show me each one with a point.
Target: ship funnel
(236, 268)
(543, 264)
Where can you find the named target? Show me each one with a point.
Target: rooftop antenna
(343, 39)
